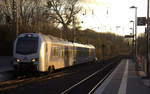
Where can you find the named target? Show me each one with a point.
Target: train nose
(25, 64)
(25, 59)
(26, 67)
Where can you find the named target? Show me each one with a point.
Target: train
(46, 53)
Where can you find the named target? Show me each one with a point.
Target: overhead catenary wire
(95, 17)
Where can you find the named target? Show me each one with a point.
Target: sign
(129, 36)
(141, 21)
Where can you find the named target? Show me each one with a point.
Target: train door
(74, 55)
(46, 56)
(66, 57)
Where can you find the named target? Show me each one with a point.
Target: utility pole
(74, 35)
(148, 28)
(15, 18)
(136, 33)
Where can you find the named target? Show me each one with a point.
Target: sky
(112, 15)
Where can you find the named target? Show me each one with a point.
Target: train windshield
(27, 45)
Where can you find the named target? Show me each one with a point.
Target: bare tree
(6, 11)
(64, 12)
(31, 13)
(34, 15)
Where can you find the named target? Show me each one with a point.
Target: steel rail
(87, 78)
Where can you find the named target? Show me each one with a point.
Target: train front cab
(26, 53)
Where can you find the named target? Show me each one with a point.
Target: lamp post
(133, 7)
(133, 37)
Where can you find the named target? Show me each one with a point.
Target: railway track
(27, 79)
(87, 86)
(21, 81)
(80, 79)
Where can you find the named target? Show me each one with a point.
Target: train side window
(55, 51)
(59, 52)
(69, 52)
(63, 54)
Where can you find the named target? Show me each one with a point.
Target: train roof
(84, 45)
(57, 40)
(29, 35)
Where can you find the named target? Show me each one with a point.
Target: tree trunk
(65, 32)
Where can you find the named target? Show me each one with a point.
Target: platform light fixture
(135, 22)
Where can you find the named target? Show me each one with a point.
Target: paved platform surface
(123, 80)
(5, 63)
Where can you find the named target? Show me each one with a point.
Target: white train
(43, 53)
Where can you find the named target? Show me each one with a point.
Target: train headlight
(17, 60)
(33, 60)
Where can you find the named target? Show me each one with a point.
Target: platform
(5, 63)
(123, 80)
